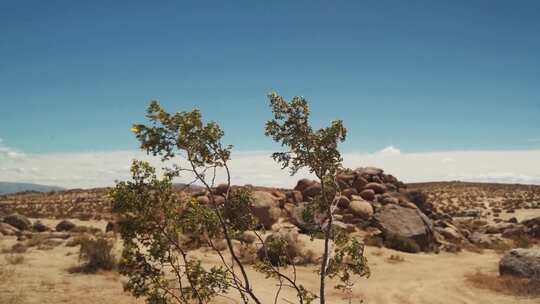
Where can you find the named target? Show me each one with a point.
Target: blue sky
(421, 76)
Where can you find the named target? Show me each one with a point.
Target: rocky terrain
(422, 239)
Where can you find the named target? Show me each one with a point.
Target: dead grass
(14, 259)
(395, 258)
(9, 296)
(508, 285)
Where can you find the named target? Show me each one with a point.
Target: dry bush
(97, 254)
(15, 259)
(395, 258)
(522, 241)
(18, 248)
(49, 244)
(509, 285)
(35, 240)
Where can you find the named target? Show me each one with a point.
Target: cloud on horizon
(97, 169)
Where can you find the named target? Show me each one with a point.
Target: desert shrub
(49, 244)
(19, 248)
(522, 241)
(15, 259)
(400, 243)
(395, 258)
(35, 240)
(508, 285)
(96, 254)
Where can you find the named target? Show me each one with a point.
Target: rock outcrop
(521, 262)
(406, 223)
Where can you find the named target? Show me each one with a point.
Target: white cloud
(7, 152)
(390, 150)
(94, 169)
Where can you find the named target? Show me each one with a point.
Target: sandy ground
(421, 278)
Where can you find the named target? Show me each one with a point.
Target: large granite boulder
(521, 262)
(361, 209)
(407, 223)
(265, 207)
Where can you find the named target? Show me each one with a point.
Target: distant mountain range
(8, 187)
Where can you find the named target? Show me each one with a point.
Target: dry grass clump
(76, 241)
(16, 248)
(8, 293)
(395, 258)
(14, 259)
(97, 255)
(509, 285)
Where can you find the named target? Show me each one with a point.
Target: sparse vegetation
(14, 259)
(508, 285)
(395, 258)
(96, 254)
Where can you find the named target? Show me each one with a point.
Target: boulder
(368, 195)
(265, 207)
(18, 221)
(7, 229)
(65, 225)
(499, 227)
(388, 199)
(521, 262)
(203, 200)
(349, 192)
(296, 217)
(406, 223)
(343, 202)
(533, 226)
(302, 184)
(284, 247)
(221, 189)
(359, 183)
(450, 234)
(369, 171)
(295, 196)
(361, 208)
(312, 190)
(376, 187)
(486, 240)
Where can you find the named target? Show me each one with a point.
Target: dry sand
(421, 278)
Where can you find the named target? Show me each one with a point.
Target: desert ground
(458, 211)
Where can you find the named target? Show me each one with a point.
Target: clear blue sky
(419, 75)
